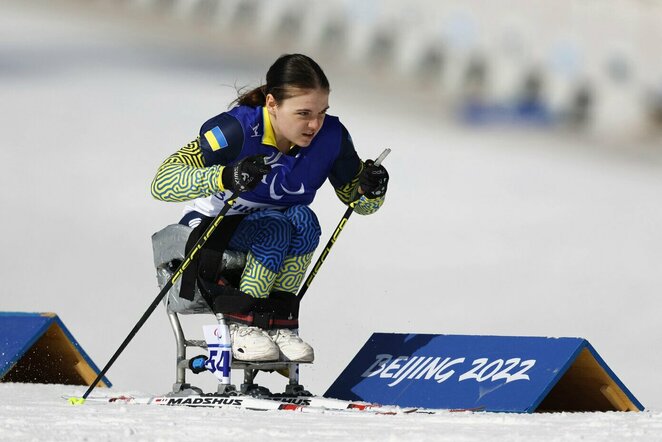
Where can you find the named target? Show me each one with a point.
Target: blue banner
(60, 357)
(492, 373)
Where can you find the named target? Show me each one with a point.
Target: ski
(305, 404)
(338, 404)
(228, 402)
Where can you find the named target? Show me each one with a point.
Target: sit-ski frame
(225, 387)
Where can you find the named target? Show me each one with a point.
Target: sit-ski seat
(169, 246)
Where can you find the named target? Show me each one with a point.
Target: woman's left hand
(373, 180)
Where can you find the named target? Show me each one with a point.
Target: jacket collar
(269, 136)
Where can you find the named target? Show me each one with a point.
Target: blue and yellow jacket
(194, 171)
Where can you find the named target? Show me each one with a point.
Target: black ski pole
(173, 279)
(334, 237)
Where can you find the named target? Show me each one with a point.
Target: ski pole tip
(76, 400)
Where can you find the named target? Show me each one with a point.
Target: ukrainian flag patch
(216, 139)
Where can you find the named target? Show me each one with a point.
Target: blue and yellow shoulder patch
(216, 138)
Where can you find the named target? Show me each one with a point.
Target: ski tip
(76, 400)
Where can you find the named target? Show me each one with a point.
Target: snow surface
(38, 412)
(497, 232)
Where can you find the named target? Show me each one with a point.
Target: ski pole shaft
(334, 237)
(382, 156)
(173, 279)
(325, 252)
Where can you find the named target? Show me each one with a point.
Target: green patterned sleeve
(349, 192)
(367, 206)
(183, 176)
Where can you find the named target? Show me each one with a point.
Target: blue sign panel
(20, 332)
(492, 373)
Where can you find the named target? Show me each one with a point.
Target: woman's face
(296, 120)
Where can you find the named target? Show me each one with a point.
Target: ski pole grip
(382, 157)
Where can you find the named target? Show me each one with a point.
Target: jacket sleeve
(195, 170)
(183, 176)
(344, 178)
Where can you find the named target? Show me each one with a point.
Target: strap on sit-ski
(279, 310)
(213, 249)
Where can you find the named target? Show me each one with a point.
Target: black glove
(373, 180)
(246, 174)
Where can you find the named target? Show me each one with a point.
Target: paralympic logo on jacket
(281, 171)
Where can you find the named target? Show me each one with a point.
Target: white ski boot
(252, 344)
(292, 347)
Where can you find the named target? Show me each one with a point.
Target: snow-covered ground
(38, 412)
(489, 232)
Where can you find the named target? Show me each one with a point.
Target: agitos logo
(281, 171)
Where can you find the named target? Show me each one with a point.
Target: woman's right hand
(246, 174)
